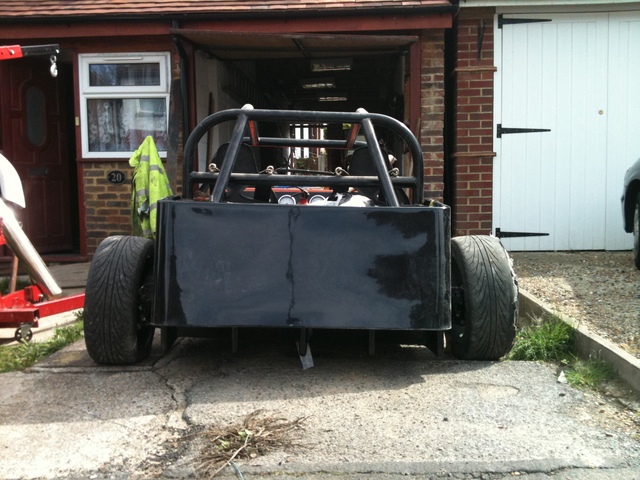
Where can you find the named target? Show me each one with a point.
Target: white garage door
(577, 76)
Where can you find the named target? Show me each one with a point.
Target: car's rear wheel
(118, 301)
(484, 298)
(636, 232)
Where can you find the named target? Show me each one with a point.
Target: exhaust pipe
(20, 245)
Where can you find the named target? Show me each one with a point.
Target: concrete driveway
(398, 414)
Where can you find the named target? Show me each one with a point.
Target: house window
(124, 98)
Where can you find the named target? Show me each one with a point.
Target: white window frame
(88, 92)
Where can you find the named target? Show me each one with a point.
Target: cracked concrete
(400, 413)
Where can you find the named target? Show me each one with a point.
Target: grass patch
(257, 435)
(589, 373)
(552, 341)
(18, 357)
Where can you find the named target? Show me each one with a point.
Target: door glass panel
(36, 119)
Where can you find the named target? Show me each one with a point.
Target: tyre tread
(111, 330)
(491, 298)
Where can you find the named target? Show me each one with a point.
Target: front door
(34, 139)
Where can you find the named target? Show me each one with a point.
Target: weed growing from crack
(552, 340)
(549, 341)
(256, 436)
(590, 373)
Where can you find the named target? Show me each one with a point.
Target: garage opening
(319, 72)
(336, 72)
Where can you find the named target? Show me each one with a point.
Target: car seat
(362, 164)
(245, 163)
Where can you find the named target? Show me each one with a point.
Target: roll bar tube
(248, 115)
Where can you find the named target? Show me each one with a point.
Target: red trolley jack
(22, 309)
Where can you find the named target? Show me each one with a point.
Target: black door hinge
(505, 130)
(501, 234)
(514, 21)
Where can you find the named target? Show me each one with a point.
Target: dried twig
(258, 435)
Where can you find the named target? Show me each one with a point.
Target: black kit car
(371, 255)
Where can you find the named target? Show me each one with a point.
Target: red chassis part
(11, 52)
(27, 306)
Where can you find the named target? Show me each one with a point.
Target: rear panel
(224, 264)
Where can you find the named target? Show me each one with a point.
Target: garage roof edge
(41, 10)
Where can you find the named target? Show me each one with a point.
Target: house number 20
(116, 177)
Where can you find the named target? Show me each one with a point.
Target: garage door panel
(554, 76)
(522, 158)
(623, 116)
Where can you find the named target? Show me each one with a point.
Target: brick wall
(473, 122)
(107, 206)
(432, 111)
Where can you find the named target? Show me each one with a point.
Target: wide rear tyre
(484, 298)
(118, 301)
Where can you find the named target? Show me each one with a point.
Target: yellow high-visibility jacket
(149, 184)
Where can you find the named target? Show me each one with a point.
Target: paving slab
(400, 413)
